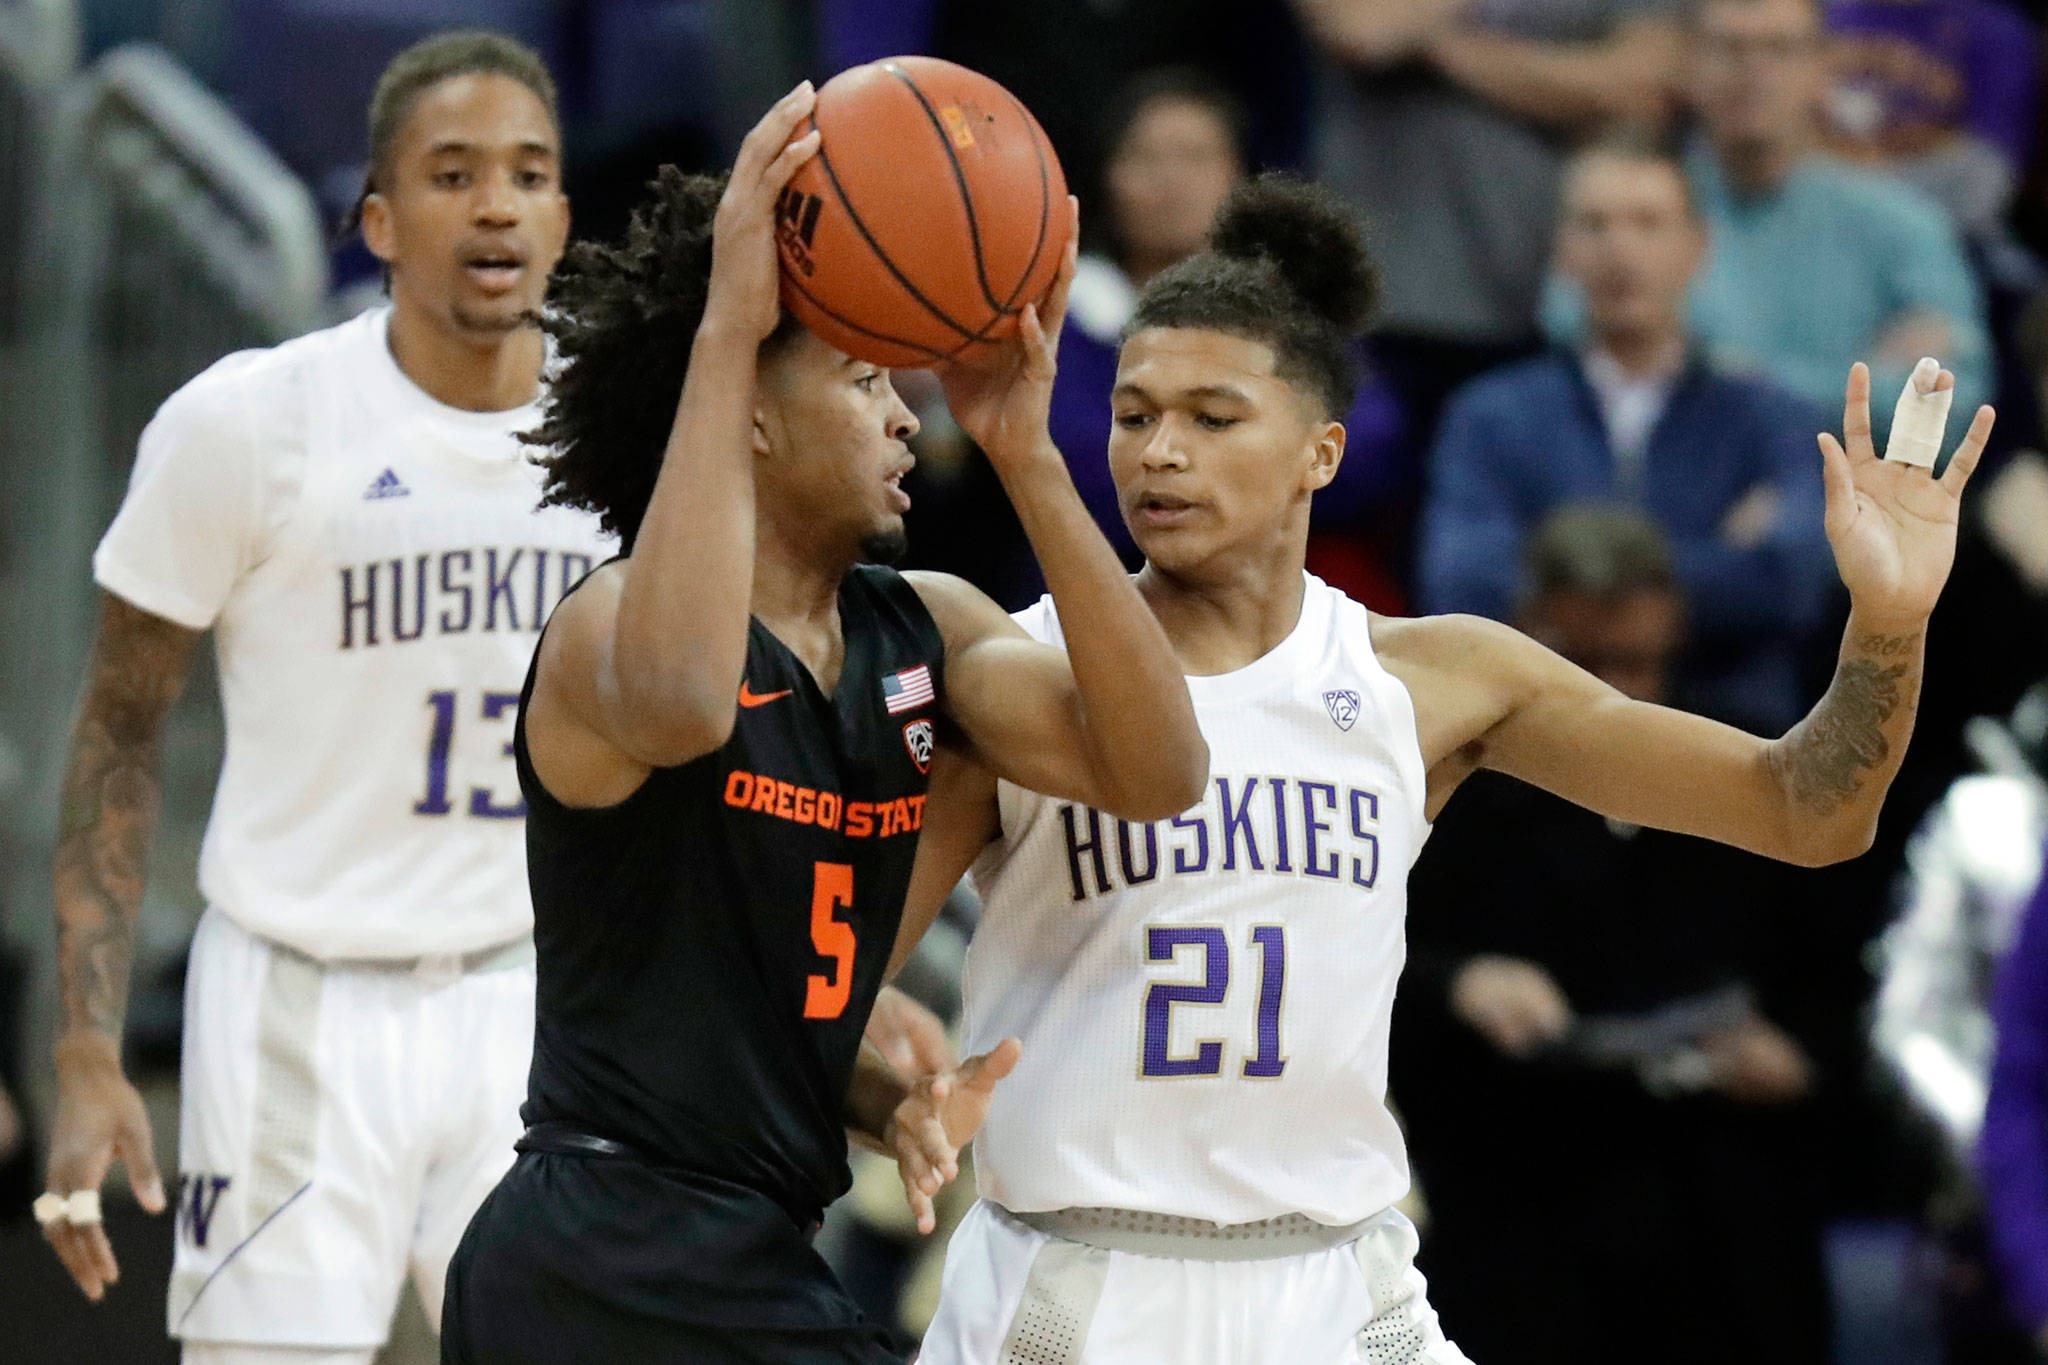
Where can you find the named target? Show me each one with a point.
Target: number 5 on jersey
(825, 997)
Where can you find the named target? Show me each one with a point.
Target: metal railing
(166, 237)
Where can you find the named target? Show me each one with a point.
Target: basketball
(933, 213)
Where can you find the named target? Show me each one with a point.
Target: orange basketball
(934, 211)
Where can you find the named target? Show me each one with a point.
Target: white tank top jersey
(1204, 1001)
(375, 572)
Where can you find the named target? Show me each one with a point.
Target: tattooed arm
(110, 797)
(1487, 696)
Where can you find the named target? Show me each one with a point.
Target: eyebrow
(1223, 391)
(458, 147)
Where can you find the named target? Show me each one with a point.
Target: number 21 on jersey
(1164, 943)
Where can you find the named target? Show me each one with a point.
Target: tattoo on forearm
(1844, 739)
(109, 808)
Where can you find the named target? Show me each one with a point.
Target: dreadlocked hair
(623, 318)
(1286, 265)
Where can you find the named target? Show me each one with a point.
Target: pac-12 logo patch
(917, 737)
(1343, 705)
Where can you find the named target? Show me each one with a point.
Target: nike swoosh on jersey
(750, 698)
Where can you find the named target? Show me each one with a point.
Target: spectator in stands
(1448, 121)
(1942, 94)
(1176, 144)
(2014, 1148)
(1727, 466)
(1815, 264)
(1608, 1043)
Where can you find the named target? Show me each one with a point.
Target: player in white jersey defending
(354, 518)
(1193, 1161)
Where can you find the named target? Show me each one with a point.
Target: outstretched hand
(1893, 525)
(940, 1116)
(1001, 392)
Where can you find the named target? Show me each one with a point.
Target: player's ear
(758, 439)
(378, 233)
(1325, 454)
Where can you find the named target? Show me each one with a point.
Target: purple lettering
(1312, 859)
(500, 585)
(1092, 846)
(449, 589)
(419, 599)
(1364, 873)
(1181, 863)
(351, 604)
(1133, 877)
(1236, 818)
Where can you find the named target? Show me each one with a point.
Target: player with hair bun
(1194, 1160)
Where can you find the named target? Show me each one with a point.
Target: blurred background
(1666, 1102)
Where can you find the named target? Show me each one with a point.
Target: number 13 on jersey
(1164, 943)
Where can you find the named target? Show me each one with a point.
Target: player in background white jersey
(1193, 1160)
(354, 518)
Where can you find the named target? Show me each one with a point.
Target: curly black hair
(623, 318)
(1286, 265)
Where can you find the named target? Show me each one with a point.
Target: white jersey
(1204, 1001)
(375, 573)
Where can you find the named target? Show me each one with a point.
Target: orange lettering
(828, 810)
(764, 795)
(806, 806)
(831, 888)
(860, 821)
(739, 789)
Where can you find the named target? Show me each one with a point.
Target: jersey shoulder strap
(886, 598)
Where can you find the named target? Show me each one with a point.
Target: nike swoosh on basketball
(751, 698)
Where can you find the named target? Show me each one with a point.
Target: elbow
(1170, 788)
(1835, 844)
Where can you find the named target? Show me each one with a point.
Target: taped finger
(1920, 419)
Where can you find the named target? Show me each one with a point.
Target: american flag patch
(910, 688)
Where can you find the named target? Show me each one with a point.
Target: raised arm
(1810, 797)
(108, 816)
(642, 668)
(1107, 721)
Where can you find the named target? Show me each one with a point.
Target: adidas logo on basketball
(386, 485)
(796, 223)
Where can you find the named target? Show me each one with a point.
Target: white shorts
(1014, 1295)
(338, 1127)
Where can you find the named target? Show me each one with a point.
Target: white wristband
(1920, 420)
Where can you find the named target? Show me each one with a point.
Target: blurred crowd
(1666, 1101)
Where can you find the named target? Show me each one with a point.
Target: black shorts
(604, 1259)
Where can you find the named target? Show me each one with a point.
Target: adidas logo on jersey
(386, 485)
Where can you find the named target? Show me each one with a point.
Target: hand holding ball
(933, 213)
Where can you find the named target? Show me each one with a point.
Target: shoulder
(963, 613)
(1450, 644)
(259, 389)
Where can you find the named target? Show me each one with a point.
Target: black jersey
(710, 948)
